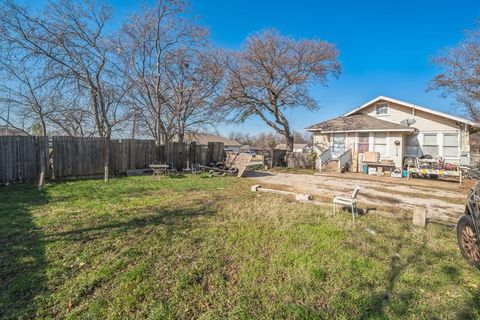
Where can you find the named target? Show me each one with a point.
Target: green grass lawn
(208, 248)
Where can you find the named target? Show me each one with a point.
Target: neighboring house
(395, 129)
(297, 147)
(204, 139)
(9, 131)
(248, 148)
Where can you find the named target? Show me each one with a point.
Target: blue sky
(385, 46)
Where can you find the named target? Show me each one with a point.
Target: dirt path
(443, 200)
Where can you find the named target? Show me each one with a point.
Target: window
(450, 145)
(363, 142)
(430, 144)
(380, 143)
(412, 145)
(381, 109)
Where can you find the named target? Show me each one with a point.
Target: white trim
(442, 141)
(370, 142)
(366, 130)
(411, 105)
(437, 143)
(387, 146)
(357, 141)
(376, 105)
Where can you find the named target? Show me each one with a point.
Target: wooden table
(159, 169)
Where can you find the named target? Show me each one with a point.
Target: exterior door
(412, 144)
(338, 144)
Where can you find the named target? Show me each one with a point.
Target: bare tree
(71, 40)
(23, 89)
(267, 141)
(272, 74)
(145, 45)
(71, 117)
(193, 80)
(461, 73)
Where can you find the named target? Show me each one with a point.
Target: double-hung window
(380, 143)
(430, 144)
(450, 145)
(381, 109)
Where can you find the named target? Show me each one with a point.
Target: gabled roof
(358, 122)
(414, 106)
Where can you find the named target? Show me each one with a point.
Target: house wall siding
(321, 140)
(424, 122)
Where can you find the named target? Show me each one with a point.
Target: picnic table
(159, 169)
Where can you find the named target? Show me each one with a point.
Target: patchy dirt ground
(444, 200)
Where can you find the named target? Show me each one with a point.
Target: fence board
(20, 156)
(19, 160)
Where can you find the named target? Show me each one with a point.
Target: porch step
(331, 166)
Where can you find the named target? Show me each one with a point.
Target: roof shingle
(357, 122)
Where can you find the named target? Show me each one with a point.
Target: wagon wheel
(467, 241)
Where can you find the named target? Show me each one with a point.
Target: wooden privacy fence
(20, 157)
(76, 157)
(274, 158)
(301, 160)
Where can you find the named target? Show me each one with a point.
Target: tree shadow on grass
(173, 219)
(471, 309)
(397, 297)
(397, 264)
(22, 252)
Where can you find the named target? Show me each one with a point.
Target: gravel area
(444, 200)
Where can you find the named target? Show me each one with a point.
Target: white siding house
(396, 129)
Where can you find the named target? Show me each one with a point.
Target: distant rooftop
(203, 138)
(283, 146)
(9, 131)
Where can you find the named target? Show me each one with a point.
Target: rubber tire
(464, 221)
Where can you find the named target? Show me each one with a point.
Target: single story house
(297, 147)
(9, 131)
(249, 148)
(204, 139)
(395, 129)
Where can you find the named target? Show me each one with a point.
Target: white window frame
(386, 143)
(357, 140)
(430, 145)
(444, 145)
(380, 105)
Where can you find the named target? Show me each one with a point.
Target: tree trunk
(43, 155)
(289, 143)
(289, 146)
(180, 137)
(106, 158)
(134, 125)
